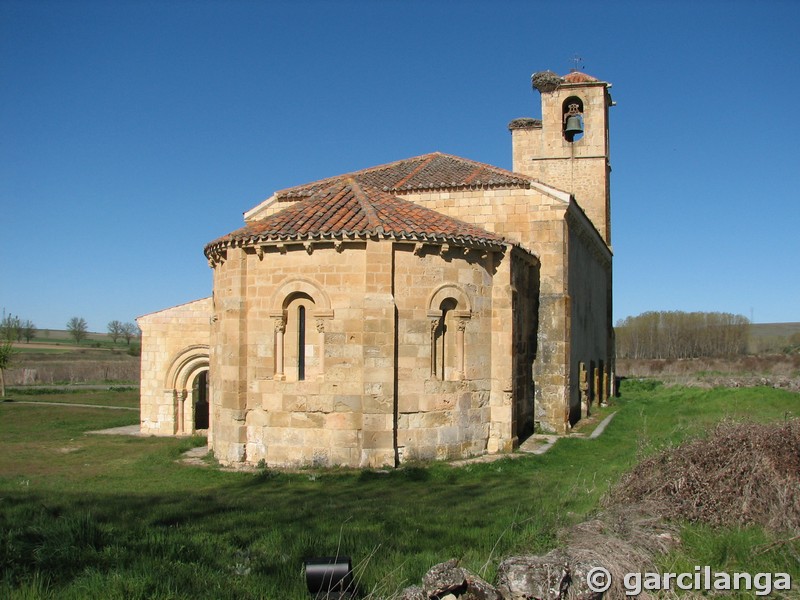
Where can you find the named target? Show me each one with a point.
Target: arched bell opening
(572, 119)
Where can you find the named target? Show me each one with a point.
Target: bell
(573, 125)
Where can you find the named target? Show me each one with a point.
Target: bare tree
(677, 334)
(77, 328)
(130, 331)
(115, 330)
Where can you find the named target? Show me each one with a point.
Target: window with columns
(448, 348)
(299, 351)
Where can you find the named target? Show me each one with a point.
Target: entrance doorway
(200, 396)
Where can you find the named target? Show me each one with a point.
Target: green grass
(734, 550)
(117, 395)
(66, 343)
(90, 516)
(36, 349)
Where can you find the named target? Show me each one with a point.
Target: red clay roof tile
(347, 207)
(426, 172)
(579, 77)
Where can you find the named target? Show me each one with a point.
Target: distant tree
(115, 330)
(677, 334)
(6, 354)
(130, 331)
(28, 330)
(77, 328)
(10, 328)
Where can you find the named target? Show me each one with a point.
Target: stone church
(429, 308)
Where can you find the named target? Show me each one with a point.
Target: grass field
(90, 516)
(108, 396)
(56, 341)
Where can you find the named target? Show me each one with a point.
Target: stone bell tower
(568, 147)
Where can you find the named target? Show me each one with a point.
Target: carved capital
(280, 326)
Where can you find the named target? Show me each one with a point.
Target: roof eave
(437, 240)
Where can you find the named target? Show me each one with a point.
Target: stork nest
(546, 81)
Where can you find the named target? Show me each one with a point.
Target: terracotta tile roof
(345, 207)
(426, 172)
(579, 77)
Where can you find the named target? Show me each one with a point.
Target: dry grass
(56, 370)
(773, 370)
(742, 474)
(623, 540)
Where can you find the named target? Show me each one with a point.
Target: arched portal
(187, 382)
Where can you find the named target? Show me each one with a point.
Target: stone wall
(396, 352)
(580, 167)
(444, 309)
(590, 319)
(536, 218)
(174, 351)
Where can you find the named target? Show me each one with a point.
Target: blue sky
(133, 133)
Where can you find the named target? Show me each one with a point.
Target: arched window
(301, 354)
(449, 310)
(299, 311)
(445, 350)
(301, 343)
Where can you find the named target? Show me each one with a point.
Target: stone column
(177, 412)
(280, 330)
(181, 412)
(378, 319)
(501, 434)
(584, 387)
(598, 384)
(462, 326)
(434, 327)
(321, 346)
(229, 365)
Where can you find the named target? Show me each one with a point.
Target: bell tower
(568, 147)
